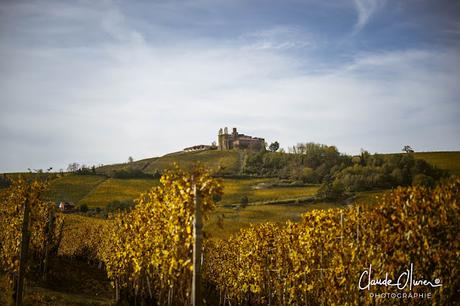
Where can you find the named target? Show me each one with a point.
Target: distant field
(235, 189)
(370, 197)
(73, 188)
(98, 191)
(222, 161)
(449, 161)
(117, 189)
(234, 219)
(137, 165)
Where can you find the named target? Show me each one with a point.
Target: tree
(83, 208)
(4, 181)
(274, 146)
(364, 157)
(73, 167)
(408, 149)
(130, 159)
(331, 191)
(423, 180)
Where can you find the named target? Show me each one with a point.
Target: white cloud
(126, 96)
(113, 22)
(365, 10)
(277, 38)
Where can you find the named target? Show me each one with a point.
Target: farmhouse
(66, 206)
(238, 141)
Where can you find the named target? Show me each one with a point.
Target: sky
(95, 82)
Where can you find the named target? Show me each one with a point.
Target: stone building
(226, 141)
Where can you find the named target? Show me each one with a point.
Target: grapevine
(319, 260)
(147, 252)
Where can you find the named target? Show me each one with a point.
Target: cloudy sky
(99, 81)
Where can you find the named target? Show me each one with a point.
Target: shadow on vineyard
(144, 255)
(70, 281)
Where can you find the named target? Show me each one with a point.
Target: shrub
(117, 205)
(132, 173)
(423, 180)
(331, 191)
(4, 181)
(83, 208)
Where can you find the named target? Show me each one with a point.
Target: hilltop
(231, 162)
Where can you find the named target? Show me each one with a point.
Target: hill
(224, 162)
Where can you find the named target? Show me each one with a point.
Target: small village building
(66, 206)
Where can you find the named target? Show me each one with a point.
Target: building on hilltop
(238, 141)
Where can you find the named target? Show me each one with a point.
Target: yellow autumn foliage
(147, 252)
(24, 190)
(319, 260)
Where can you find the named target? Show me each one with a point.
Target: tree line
(339, 174)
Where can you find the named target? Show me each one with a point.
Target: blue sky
(97, 81)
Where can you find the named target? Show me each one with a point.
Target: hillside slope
(226, 162)
(449, 161)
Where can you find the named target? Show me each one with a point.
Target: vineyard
(30, 232)
(318, 260)
(146, 253)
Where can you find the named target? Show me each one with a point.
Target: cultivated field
(449, 161)
(73, 188)
(117, 190)
(98, 191)
(225, 221)
(222, 161)
(235, 189)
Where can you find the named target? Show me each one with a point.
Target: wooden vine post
(197, 238)
(25, 238)
(49, 239)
